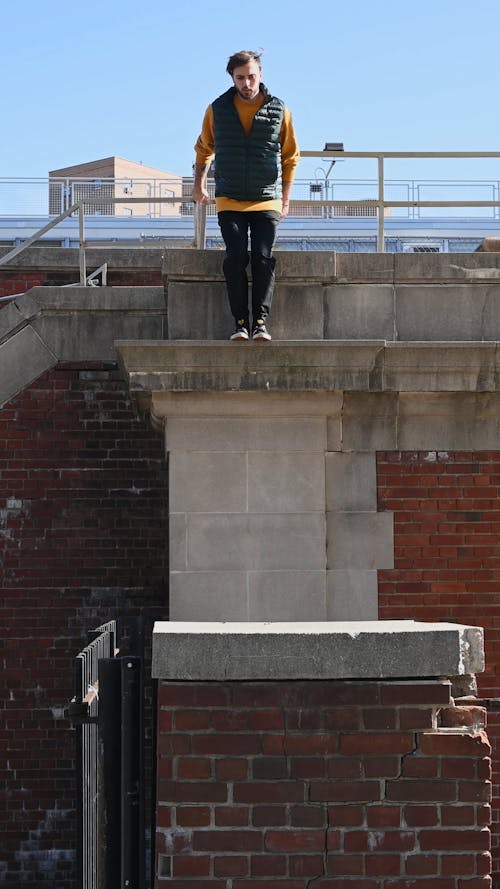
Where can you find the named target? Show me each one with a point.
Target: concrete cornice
(314, 366)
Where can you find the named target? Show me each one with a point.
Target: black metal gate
(108, 713)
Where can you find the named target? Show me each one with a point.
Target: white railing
(316, 197)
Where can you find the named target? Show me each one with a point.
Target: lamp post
(330, 146)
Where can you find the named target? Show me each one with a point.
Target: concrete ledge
(51, 324)
(58, 258)
(324, 650)
(311, 366)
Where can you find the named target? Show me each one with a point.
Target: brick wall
(83, 531)
(19, 281)
(340, 785)
(447, 557)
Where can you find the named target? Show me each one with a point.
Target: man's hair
(241, 58)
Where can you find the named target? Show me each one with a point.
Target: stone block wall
(340, 785)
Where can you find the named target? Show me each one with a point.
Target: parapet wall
(353, 784)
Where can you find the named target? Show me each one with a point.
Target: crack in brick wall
(339, 785)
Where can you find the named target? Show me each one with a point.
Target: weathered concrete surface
(316, 650)
(58, 259)
(51, 324)
(320, 295)
(309, 366)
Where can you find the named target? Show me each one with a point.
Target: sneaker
(241, 331)
(260, 331)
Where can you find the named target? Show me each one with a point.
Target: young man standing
(251, 135)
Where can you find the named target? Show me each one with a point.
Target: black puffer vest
(248, 168)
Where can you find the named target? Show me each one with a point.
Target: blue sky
(84, 81)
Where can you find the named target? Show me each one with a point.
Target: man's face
(246, 79)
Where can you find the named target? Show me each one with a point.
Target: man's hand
(200, 193)
(285, 206)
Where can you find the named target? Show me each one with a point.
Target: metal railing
(107, 711)
(319, 201)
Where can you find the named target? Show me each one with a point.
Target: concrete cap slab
(200, 651)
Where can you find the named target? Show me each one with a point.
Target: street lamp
(330, 146)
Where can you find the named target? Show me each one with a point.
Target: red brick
(295, 840)
(422, 767)
(270, 767)
(383, 816)
(269, 816)
(406, 693)
(269, 792)
(409, 790)
(458, 865)
(421, 865)
(266, 720)
(420, 816)
(231, 866)
(269, 884)
(346, 791)
(458, 767)
(229, 720)
(231, 769)
(307, 816)
(232, 816)
(306, 865)
(382, 766)
(380, 841)
(193, 816)
(383, 865)
(435, 840)
(225, 744)
(458, 816)
(192, 792)
(474, 791)
(227, 841)
(345, 865)
(192, 767)
(342, 767)
(191, 695)
(380, 718)
(346, 816)
(377, 743)
(268, 865)
(308, 767)
(466, 716)
(436, 744)
(163, 816)
(306, 745)
(192, 720)
(191, 865)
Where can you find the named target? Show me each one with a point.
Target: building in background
(115, 178)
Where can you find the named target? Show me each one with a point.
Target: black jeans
(234, 226)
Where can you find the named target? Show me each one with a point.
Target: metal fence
(311, 197)
(107, 710)
(322, 200)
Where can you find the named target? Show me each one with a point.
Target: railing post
(81, 234)
(132, 777)
(381, 208)
(200, 225)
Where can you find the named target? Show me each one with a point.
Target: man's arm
(204, 153)
(200, 193)
(286, 188)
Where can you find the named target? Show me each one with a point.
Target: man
(250, 133)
